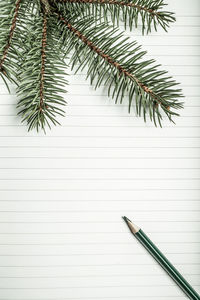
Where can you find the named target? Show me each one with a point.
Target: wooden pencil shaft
(166, 265)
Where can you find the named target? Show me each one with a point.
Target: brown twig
(114, 2)
(43, 60)
(12, 29)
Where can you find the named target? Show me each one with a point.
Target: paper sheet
(62, 194)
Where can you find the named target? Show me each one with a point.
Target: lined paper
(62, 194)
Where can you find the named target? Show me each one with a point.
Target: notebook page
(62, 194)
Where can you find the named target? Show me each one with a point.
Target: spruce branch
(7, 29)
(105, 56)
(12, 29)
(42, 77)
(141, 79)
(114, 2)
(36, 36)
(148, 12)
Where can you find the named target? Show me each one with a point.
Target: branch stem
(43, 61)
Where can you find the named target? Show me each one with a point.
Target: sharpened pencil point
(126, 219)
(133, 228)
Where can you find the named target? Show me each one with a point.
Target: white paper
(62, 194)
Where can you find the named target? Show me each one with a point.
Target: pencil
(162, 260)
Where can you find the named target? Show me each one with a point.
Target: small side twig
(46, 6)
(115, 2)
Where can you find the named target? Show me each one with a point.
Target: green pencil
(162, 260)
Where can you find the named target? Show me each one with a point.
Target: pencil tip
(126, 219)
(133, 228)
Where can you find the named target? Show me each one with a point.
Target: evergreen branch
(106, 57)
(12, 29)
(149, 12)
(36, 35)
(150, 89)
(6, 41)
(41, 76)
(114, 2)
